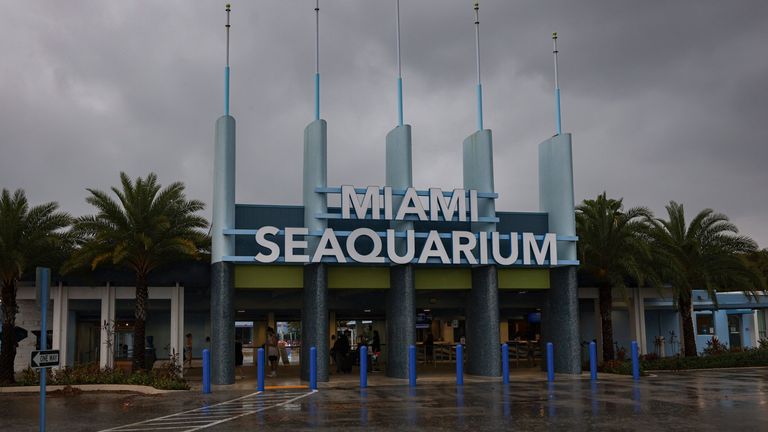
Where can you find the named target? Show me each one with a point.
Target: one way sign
(43, 359)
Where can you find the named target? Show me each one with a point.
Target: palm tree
(144, 229)
(612, 247)
(28, 237)
(706, 254)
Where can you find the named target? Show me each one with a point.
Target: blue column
(505, 363)
(592, 361)
(401, 296)
(314, 311)
(313, 368)
(206, 371)
(635, 362)
(260, 370)
(550, 362)
(363, 366)
(560, 318)
(459, 364)
(222, 271)
(412, 366)
(482, 302)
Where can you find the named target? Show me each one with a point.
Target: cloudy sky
(666, 100)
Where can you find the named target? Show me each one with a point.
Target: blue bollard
(412, 366)
(593, 361)
(550, 362)
(505, 363)
(635, 362)
(206, 371)
(260, 370)
(363, 367)
(313, 368)
(459, 364)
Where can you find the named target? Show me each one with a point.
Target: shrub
(715, 347)
(168, 378)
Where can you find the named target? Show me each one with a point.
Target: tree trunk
(139, 325)
(606, 323)
(689, 338)
(8, 348)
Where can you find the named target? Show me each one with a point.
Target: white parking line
(205, 417)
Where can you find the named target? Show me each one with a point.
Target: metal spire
(477, 58)
(399, 71)
(317, 59)
(228, 8)
(557, 87)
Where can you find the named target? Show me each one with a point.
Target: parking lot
(734, 399)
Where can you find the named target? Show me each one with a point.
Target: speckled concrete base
(483, 347)
(314, 320)
(401, 319)
(560, 320)
(222, 323)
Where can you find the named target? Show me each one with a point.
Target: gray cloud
(665, 99)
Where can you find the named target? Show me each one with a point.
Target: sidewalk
(288, 377)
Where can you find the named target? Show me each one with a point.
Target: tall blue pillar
(222, 272)
(560, 323)
(401, 297)
(482, 308)
(314, 312)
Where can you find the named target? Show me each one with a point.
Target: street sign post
(44, 356)
(44, 359)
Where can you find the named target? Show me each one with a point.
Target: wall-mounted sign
(479, 244)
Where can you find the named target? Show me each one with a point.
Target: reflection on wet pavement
(703, 400)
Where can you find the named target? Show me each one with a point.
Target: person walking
(375, 349)
(272, 351)
(188, 350)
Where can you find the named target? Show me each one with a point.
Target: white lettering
(372, 257)
(291, 244)
(463, 248)
(410, 247)
(370, 201)
(261, 240)
(549, 244)
(433, 248)
(497, 256)
(328, 245)
(483, 247)
(437, 204)
(411, 204)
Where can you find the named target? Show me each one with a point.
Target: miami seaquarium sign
(480, 247)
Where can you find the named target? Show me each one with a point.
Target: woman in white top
(272, 351)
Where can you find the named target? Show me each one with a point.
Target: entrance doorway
(734, 331)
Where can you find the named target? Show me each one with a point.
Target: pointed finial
(477, 65)
(228, 9)
(558, 120)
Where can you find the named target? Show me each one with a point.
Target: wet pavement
(734, 399)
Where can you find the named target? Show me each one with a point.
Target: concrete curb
(147, 390)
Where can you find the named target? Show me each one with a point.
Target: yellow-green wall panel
(284, 276)
(261, 276)
(523, 279)
(443, 278)
(358, 277)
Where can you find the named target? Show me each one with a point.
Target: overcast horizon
(665, 100)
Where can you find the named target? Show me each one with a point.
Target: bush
(715, 347)
(167, 378)
(743, 358)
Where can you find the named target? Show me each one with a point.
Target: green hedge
(166, 378)
(751, 357)
(728, 359)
